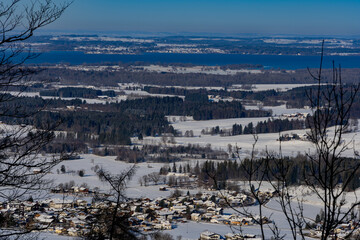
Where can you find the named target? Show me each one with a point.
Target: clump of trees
(152, 179)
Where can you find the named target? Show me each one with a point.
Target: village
(77, 217)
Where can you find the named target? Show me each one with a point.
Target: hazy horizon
(187, 34)
(229, 17)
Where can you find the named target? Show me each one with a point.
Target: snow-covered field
(89, 161)
(192, 230)
(266, 141)
(278, 87)
(197, 126)
(279, 110)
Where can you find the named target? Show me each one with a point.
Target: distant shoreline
(287, 62)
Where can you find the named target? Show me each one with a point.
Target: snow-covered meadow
(190, 229)
(87, 162)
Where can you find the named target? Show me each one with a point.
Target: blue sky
(262, 17)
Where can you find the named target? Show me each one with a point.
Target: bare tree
(255, 174)
(330, 173)
(22, 169)
(327, 172)
(114, 224)
(155, 177)
(292, 208)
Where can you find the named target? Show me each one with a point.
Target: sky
(263, 17)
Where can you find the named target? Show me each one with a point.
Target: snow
(88, 100)
(192, 230)
(144, 93)
(244, 141)
(197, 69)
(189, 230)
(279, 110)
(181, 87)
(53, 236)
(266, 141)
(40, 235)
(197, 126)
(265, 87)
(88, 161)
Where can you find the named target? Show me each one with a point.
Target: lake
(268, 61)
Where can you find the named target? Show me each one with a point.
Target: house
(207, 216)
(198, 202)
(232, 236)
(81, 202)
(214, 210)
(60, 230)
(44, 218)
(72, 232)
(195, 216)
(178, 208)
(214, 220)
(236, 221)
(60, 204)
(209, 203)
(209, 236)
(164, 226)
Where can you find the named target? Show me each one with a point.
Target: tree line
(297, 171)
(77, 92)
(267, 126)
(116, 123)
